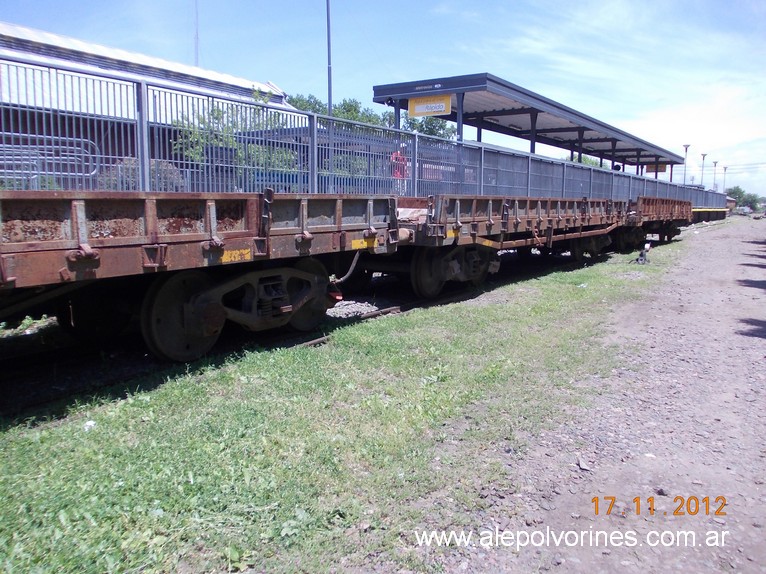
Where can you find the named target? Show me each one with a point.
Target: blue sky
(672, 72)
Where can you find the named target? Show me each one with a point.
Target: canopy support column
(460, 100)
(532, 131)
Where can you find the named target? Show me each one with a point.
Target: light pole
(715, 163)
(686, 153)
(196, 32)
(331, 146)
(724, 177)
(329, 64)
(702, 173)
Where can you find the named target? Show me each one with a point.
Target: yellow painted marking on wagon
(363, 243)
(236, 255)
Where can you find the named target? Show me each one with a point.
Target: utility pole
(329, 64)
(196, 33)
(715, 164)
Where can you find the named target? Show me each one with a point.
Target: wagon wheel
(576, 250)
(618, 240)
(313, 312)
(163, 319)
(426, 274)
(481, 276)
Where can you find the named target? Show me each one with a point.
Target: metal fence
(66, 129)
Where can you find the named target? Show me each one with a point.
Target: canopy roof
(487, 102)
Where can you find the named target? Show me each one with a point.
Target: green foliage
(217, 128)
(229, 134)
(736, 193)
(262, 96)
(308, 103)
(351, 109)
(430, 126)
(750, 200)
(125, 176)
(347, 109)
(743, 198)
(586, 160)
(317, 457)
(45, 182)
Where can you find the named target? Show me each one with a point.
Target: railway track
(44, 371)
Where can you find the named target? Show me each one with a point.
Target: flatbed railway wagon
(187, 201)
(125, 193)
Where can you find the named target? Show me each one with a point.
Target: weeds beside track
(305, 457)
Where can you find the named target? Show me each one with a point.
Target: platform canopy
(487, 102)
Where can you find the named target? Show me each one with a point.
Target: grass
(26, 326)
(304, 459)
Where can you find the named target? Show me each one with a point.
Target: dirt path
(686, 418)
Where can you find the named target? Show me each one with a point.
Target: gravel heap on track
(356, 307)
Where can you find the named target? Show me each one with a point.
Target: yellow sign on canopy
(430, 106)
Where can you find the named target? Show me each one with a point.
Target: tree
(308, 103)
(347, 109)
(750, 200)
(586, 160)
(430, 126)
(736, 193)
(351, 109)
(230, 142)
(743, 198)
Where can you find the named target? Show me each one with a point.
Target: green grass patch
(304, 458)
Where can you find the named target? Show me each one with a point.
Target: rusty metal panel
(321, 212)
(354, 213)
(57, 237)
(32, 220)
(498, 220)
(285, 213)
(180, 216)
(315, 224)
(232, 215)
(661, 209)
(107, 219)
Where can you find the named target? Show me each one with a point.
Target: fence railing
(65, 129)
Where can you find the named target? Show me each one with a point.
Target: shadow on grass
(58, 375)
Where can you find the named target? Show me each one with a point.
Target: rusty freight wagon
(135, 187)
(129, 185)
